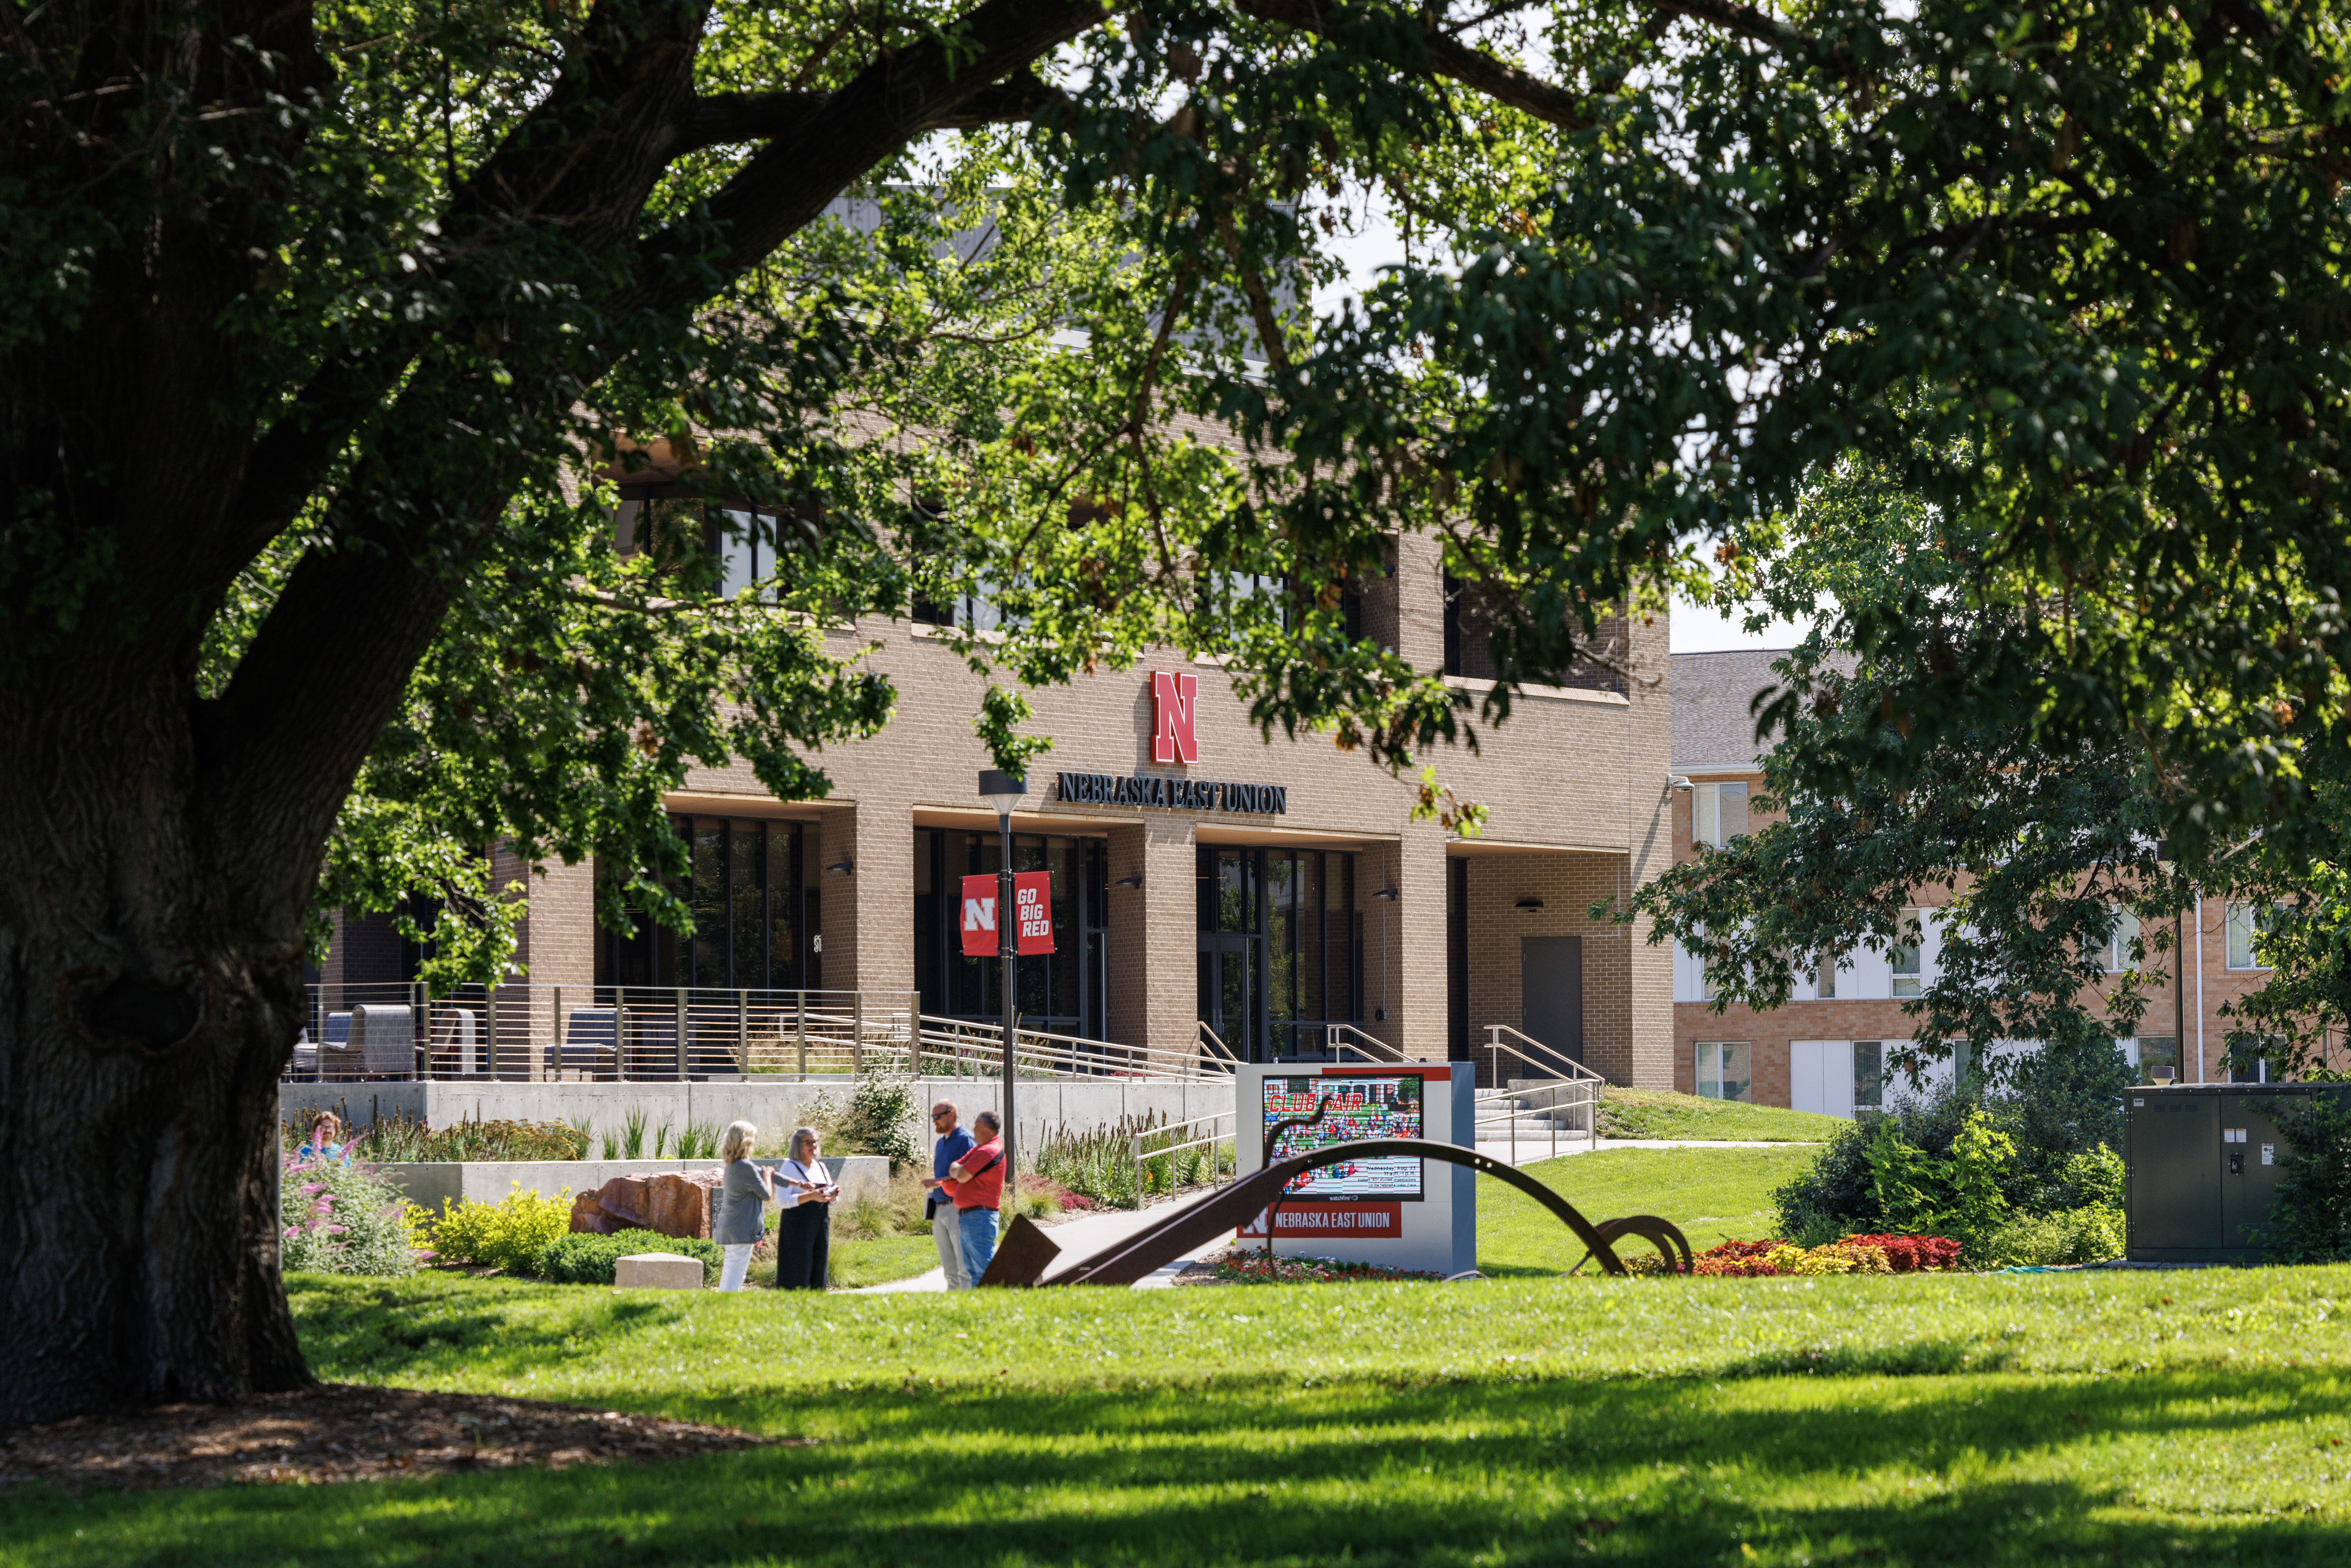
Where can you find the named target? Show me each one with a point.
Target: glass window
(708, 964)
(1060, 992)
(742, 886)
(2158, 1059)
(1723, 1071)
(1718, 813)
(1868, 1075)
(1904, 956)
(2117, 956)
(2244, 920)
(1825, 985)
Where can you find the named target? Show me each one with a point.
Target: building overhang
(1474, 849)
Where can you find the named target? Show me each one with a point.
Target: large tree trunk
(146, 1008)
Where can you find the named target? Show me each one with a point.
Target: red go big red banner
(1033, 912)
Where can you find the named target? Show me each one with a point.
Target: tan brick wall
(843, 911)
(1567, 884)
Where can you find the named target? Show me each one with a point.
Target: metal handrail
(1576, 1072)
(1211, 1140)
(1213, 1038)
(1588, 1097)
(1334, 1036)
(1084, 1057)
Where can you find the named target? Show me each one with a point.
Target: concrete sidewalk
(1529, 1150)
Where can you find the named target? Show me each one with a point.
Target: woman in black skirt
(804, 1229)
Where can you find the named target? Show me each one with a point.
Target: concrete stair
(1540, 1105)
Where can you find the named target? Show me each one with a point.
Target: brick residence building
(1823, 1051)
(1294, 895)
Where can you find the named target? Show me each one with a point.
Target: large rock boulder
(588, 1218)
(670, 1204)
(679, 1204)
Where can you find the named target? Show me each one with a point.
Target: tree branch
(742, 117)
(935, 83)
(1449, 56)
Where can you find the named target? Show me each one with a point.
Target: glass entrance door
(1232, 992)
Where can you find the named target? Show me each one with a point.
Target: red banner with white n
(1032, 913)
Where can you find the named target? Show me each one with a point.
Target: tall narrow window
(1868, 1075)
(2244, 920)
(1825, 987)
(2118, 946)
(1905, 955)
(1718, 813)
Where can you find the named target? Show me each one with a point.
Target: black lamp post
(1004, 790)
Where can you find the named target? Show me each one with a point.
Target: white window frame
(1707, 804)
(2117, 955)
(1915, 977)
(1706, 1065)
(2239, 921)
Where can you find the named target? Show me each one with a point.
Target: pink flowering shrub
(340, 1217)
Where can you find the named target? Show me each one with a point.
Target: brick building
(1294, 895)
(1823, 1050)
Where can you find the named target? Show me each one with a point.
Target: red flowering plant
(1846, 1255)
(1737, 1259)
(1912, 1254)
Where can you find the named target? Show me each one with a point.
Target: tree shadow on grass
(1965, 1470)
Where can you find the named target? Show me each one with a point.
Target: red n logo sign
(1173, 699)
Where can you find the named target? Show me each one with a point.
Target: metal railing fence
(533, 1033)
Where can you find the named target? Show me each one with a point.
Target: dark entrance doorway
(1551, 993)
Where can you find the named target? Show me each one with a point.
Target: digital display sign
(1366, 1107)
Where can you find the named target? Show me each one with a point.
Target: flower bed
(1849, 1255)
(1254, 1268)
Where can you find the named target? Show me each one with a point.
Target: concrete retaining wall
(775, 1108)
(862, 1177)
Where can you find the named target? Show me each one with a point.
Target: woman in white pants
(744, 1196)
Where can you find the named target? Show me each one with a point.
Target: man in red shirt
(976, 1182)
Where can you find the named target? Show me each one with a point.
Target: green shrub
(1958, 1195)
(340, 1217)
(2310, 1222)
(2094, 1179)
(504, 1234)
(585, 1259)
(879, 1118)
(2057, 1156)
(2091, 1234)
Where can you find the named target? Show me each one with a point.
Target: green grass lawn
(881, 1259)
(2082, 1418)
(1661, 1114)
(1713, 1195)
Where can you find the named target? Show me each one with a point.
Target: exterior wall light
(1133, 880)
(1529, 903)
(846, 868)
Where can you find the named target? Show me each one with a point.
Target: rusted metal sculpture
(1164, 1240)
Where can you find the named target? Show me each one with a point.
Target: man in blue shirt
(939, 1208)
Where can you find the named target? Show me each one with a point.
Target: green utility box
(2204, 1163)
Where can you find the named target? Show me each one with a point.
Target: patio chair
(455, 1042)
(588, 1044)
(336, 1057)
(384, 1039)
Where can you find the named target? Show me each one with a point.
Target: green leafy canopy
(329, 328)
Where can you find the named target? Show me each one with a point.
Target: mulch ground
(340, 1432)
